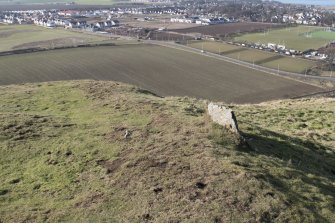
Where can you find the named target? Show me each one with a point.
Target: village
(202, 13)
(136, 19)
(283, 50)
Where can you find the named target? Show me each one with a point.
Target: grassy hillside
(64, 158)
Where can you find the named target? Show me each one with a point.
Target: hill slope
(64, 157)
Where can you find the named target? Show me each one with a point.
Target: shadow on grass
(233, 51)
(270, 59)
(303, 157)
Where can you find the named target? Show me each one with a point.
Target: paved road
(239, 62)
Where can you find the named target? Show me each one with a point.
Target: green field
(324, 35)
(26, 36)
(263, 58)
(299, 38)
(64, 158)
(162, 70)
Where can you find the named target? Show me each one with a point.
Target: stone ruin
(223, 116)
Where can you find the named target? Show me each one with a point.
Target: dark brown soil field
(226, 29)
(167, 36)
(164, 71)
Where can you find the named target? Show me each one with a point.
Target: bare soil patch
(169, 36)
(90, 200)
(30, 127)
(222, 30)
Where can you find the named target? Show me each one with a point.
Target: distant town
(198, 12)
(133, 19)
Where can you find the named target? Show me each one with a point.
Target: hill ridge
(65, 157)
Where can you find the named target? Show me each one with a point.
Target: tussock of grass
(223, 137)
(65, 157)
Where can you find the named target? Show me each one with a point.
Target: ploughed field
(161, 70)
(168, 36)
(226, 29)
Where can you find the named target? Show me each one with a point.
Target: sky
(311, 2)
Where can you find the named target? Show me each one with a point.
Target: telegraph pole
(331, 72)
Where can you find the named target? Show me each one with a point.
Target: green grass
(324, 35)
(293, 38)
(26, 36)
(258, 57)
(300, 136)
(212, 46)
(64, 158)
(292, 65)
(54, 121)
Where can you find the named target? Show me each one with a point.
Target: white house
(272, 46)
(50, 24)
(281, 47)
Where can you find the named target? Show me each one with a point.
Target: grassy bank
(64, 158)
